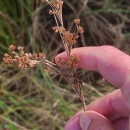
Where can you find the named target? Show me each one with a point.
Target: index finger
(110, 62)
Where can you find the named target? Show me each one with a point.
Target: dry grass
(34, 100)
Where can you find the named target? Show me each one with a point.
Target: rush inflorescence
(65, 67)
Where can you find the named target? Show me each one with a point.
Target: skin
(110, 112)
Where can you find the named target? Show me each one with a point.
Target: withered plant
(66, 67)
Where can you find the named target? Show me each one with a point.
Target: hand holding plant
(110, 112)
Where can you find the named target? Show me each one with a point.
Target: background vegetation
(34, 100)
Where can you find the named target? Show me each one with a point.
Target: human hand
(110, 112)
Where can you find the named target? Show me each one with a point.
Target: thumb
(91, 120)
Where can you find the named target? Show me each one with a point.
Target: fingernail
(85, 121)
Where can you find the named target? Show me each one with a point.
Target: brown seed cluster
(71, 66)
(79, 28)
(69, 38)
(56, 6)
(22, 59)
(77, 21)
(71, 63)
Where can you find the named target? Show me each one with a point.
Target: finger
(89, 120)
(111, 106)
(113, 64)
(73, 124)
(121, 124)
(109, 61)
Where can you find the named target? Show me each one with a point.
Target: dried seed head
(56, 29)
(71, 63)
(56, 9)
(75, 36)
(51, 12)
(12, 48)
(21, 50)
(70, 37)
(80, 29)
(6, 55)
(41, 56)
(23, 60)
(7, 59)
(77, 21)
(35, 56)
(16, 58)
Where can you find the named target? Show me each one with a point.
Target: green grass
(33, 99)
